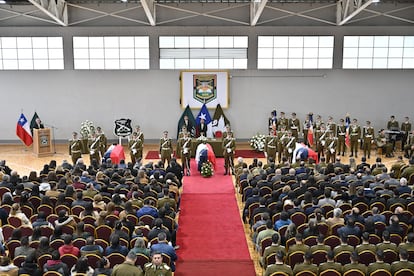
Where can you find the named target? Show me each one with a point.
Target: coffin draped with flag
(204, 153)
(23, 130)
(116, 153)
(304, 152)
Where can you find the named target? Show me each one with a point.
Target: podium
(42, 142)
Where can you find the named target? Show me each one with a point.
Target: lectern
(42, 142)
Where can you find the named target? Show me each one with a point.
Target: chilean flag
(116, 153)
(347, 124)
(23, 130)
(310, 131)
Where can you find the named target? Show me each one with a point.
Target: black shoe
(343, 154)
(351, 155)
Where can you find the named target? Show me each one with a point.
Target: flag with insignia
(33, 122)
(347, 124)
(190, 124)
(203, 114)
(23, 130)
(219, 120)
(310, 130)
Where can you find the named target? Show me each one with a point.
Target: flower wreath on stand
(87, 128)
(207, 169)
(257, 142)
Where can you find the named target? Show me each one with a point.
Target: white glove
(229, 150)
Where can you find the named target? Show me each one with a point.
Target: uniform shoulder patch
(166, 267)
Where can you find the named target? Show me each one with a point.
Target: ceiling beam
(149, 9)
(55, 9)
(359, 7)
(256, 9)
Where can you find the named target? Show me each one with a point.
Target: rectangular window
(203, 52)
(111, 52)
(378, 52)
(31, 53)
(295, 52)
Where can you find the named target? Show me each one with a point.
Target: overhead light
(376, 1)
(2, 2)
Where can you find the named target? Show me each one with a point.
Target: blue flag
(203, 114)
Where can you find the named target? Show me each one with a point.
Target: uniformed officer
(305, 129)
(406, 129)
(75, 148)
(94, 148)
(384, 143)
(289, 145)
(393, 125)
(184, 148)
(103, 141)
(318, 122)
(355, 136)
(409, 147)
(379, 263)
(166, 149)
(341, 133)
(320, 136)
(229, 146)
(283, 121)
(368, 135)
(278, 266)
(281, 134)
(182, 131)
(227, 131)
(331, 144)
(331, 125)
(156, 267)
(270, 147)
(294, 126)
(135, 148)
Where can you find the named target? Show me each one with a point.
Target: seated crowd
(98, 220)
(329, 216)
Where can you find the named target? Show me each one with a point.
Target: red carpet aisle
(211, 233)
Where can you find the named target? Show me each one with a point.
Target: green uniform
(395, 266)
(270, 250)
(330, 265)
(406, 129)
(343, 247)
(166, 150)
(341, 133)
(270, 147)
(368, 135)
(305, 266)
(229, 146)
(305, 130)
(289, 145)
(331, 144)
(94, 149)
(354, 136)
(331, 125)
(282, 122)
(364, 247)
(384, 144)
(102, 143)
(278, 268)
(378, 265)
(184, 149)
(407, 172)
(280, 137)
(127, 269)
(409, 147)
(153, 270)
(320, 137)
(135, 148)
(294, 127)
(357, 266)
(75, 149)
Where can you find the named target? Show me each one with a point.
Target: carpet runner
(153, 154)
(210, 231)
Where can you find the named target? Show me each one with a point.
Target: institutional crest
(205, 87)
(123, 127)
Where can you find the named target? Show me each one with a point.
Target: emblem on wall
(123, 127)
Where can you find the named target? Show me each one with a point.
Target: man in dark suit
(201, 128)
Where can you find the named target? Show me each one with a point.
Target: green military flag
(187, 119)
(35, 123)
(219, 120)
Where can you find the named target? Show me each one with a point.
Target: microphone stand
(53, 135)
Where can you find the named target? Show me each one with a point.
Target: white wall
(150, 98)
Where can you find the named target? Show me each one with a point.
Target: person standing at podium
(38, 124)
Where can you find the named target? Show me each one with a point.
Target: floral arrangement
(87, 128)
(207, 169)
(257, 142)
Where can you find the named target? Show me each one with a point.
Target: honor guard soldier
(393, 125)
(331, 125)
(294, 126)
(103, 141)
(156, 267)
(368, 136)
(317, 124)
(320, 136)
(355, 136)
(166, 149)
(94, 149)
(135, 148)
(228, 130)
(182, 131)
(331, 144)
(229, 146)
(272, 121)
(305, 129)
(281, 135)
(384, 144)
(405, 129)
(270, 147)
(409, 147)
(289, 145)
(283, 121)
(341, 133)
(75, 148)
(140, 135)
(184, 148)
